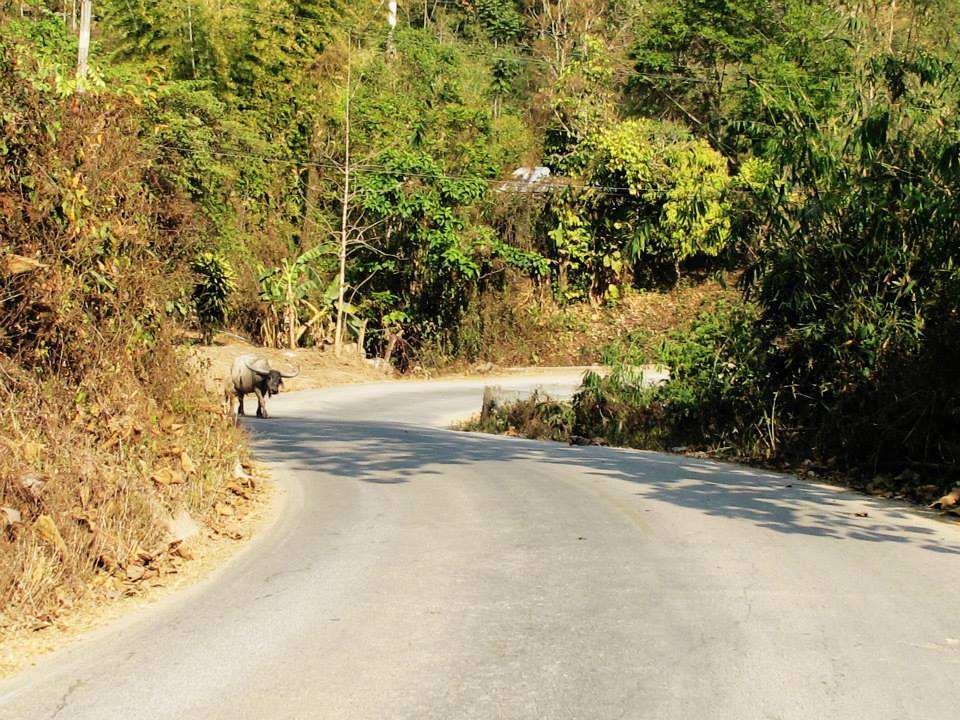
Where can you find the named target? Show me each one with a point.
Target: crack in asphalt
(65, 699)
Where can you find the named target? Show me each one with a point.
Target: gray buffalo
(253, 374)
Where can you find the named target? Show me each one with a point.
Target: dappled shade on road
(391, 453)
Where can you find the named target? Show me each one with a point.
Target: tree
(499, 19)
(653, 196)
(344, 208)
(83, 47)
(734, 69)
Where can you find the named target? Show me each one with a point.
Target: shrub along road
(417, 572)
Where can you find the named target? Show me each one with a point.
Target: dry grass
(520, 326)
(90, 483)
(104, 435)
(111, 453)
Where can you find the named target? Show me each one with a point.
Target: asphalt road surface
(420, 573)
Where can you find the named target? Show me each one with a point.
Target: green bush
(211, 292)
(716, 388)
(620, 409)
(716, 368)
(537, 417)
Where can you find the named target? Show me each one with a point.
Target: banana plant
(351, 313)
(289, 291)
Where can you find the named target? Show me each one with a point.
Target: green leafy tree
(653, 196)
(503, 74)
(736, 70)
(681, 181)
(500, 20)
(851, 354)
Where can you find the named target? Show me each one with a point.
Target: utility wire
(505, 185)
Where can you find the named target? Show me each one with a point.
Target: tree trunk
(83, 50)
(392, 339)
(290, 315)
(392, 23)
(193, 59)
(344, 215)
(311, 193)
(361, 337)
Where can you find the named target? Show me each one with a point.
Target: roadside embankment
(124, 488)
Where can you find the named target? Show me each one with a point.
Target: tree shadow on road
(394, 454)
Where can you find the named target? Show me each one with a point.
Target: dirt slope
(317, 369)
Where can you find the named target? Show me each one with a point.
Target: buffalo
(253, 374)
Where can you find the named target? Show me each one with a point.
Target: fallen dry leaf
(15, 530)
(179, 549)
(238, 472)
(948, 501)
(9, 516)
(84, 518)
(42, 623)
(185, 552)
(135, 572)
(17, 264)
(237, 490)
(47, 530)
(32, 484)
(230, 535)
(189, 467)
(166, 476)
(107, 560)
(223, 509)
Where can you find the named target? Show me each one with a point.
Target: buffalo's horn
(251, 368)
(290, 375)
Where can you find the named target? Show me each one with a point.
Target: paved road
(420, 573)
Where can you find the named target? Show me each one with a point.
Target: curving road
(420, 573)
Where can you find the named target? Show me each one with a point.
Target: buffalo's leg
(261, 403)
(239, 404)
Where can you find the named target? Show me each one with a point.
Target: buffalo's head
(274, 382)
(273, 378)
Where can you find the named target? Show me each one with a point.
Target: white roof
(535, 179)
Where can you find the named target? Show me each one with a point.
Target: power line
(379, 169)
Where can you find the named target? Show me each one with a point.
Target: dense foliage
(853, 275)
(811, 143)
